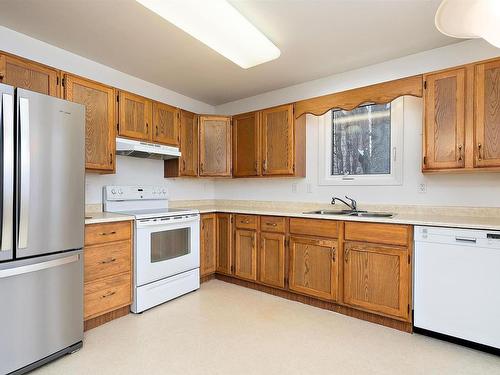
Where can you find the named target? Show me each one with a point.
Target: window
(362, 146)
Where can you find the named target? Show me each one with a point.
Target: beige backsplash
(306, 206)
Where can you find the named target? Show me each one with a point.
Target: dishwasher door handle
(466, 239)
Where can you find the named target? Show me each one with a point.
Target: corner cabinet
(462, 118)
(134, 116)
(29, 75)
(487, 118)
(246, 145)
(99, 101)
(215, 146)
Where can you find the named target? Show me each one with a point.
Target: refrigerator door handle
(15, 271)
(24, 202)
(7, 122)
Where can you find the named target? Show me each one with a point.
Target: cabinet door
(188, 144)
(444, 120)
(314, 267)
(272, 259)
(376, 278)
(224, 243)
(165, 124)
(208, 243)
(99, 101)
(245, 252)
(215, 146)
(134, 116)
(277, 141)
(28, 75)
(487, 114)
(246, 145)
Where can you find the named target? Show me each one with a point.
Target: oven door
(166, 247)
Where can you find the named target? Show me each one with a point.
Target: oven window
(170, 244)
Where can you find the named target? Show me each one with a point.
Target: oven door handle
(150, 223)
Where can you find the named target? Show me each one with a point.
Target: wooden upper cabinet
(224, 243)
(246, 145)
(487, 114)
(99, 101)
(29, 75)
(444, 112)
(188, 125)
(245, 254)
(165, 124)
(208, 244)
(278, 140)
(272, 259)
(215, 146)
(314, 267)
(135, 116)
(376, 278)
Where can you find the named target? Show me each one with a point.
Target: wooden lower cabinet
(272, 259)
(107, 272)
(208, 244)
(314, 267)
(245, 254)
(377, 278)
(224, 243)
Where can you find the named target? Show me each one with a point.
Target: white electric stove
(166, 243)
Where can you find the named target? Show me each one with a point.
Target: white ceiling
(317, 38)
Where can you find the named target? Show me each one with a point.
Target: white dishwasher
(457, 283)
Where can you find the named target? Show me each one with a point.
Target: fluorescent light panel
(220, 26)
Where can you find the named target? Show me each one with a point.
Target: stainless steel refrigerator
(42, 228)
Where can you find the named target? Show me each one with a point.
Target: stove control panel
(136, 192)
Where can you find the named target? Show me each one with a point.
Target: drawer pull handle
(108, 294)
(107, 233)
(245, 222)
(107, 261)
(272, 224)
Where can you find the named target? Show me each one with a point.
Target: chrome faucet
(353, 205)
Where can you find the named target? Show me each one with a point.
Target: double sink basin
(351, 213)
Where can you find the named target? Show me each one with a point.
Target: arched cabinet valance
(347, 100)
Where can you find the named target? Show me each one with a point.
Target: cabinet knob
(2, 76)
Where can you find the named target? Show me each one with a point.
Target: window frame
(325, 153)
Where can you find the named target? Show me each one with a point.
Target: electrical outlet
(309, 188)
(294, 188)
(422, 188)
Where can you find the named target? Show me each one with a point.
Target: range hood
(145, 150)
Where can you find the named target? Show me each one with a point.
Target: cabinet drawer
(272, 224)
(107, 232)
(314, 227)
(107, 295)
(390, 234)
(107, 260)
(246, 221)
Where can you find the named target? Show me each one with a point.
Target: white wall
(133, 171)
(33, 49)
(480, 189)
(427, 61)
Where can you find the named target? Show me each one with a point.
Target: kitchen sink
(351, 213)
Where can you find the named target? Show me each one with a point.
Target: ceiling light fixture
(220, 26)
(470, 19)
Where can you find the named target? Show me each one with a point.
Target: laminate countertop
(455, 217)
(105, 217)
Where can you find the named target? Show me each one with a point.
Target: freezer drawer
(41, 310)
